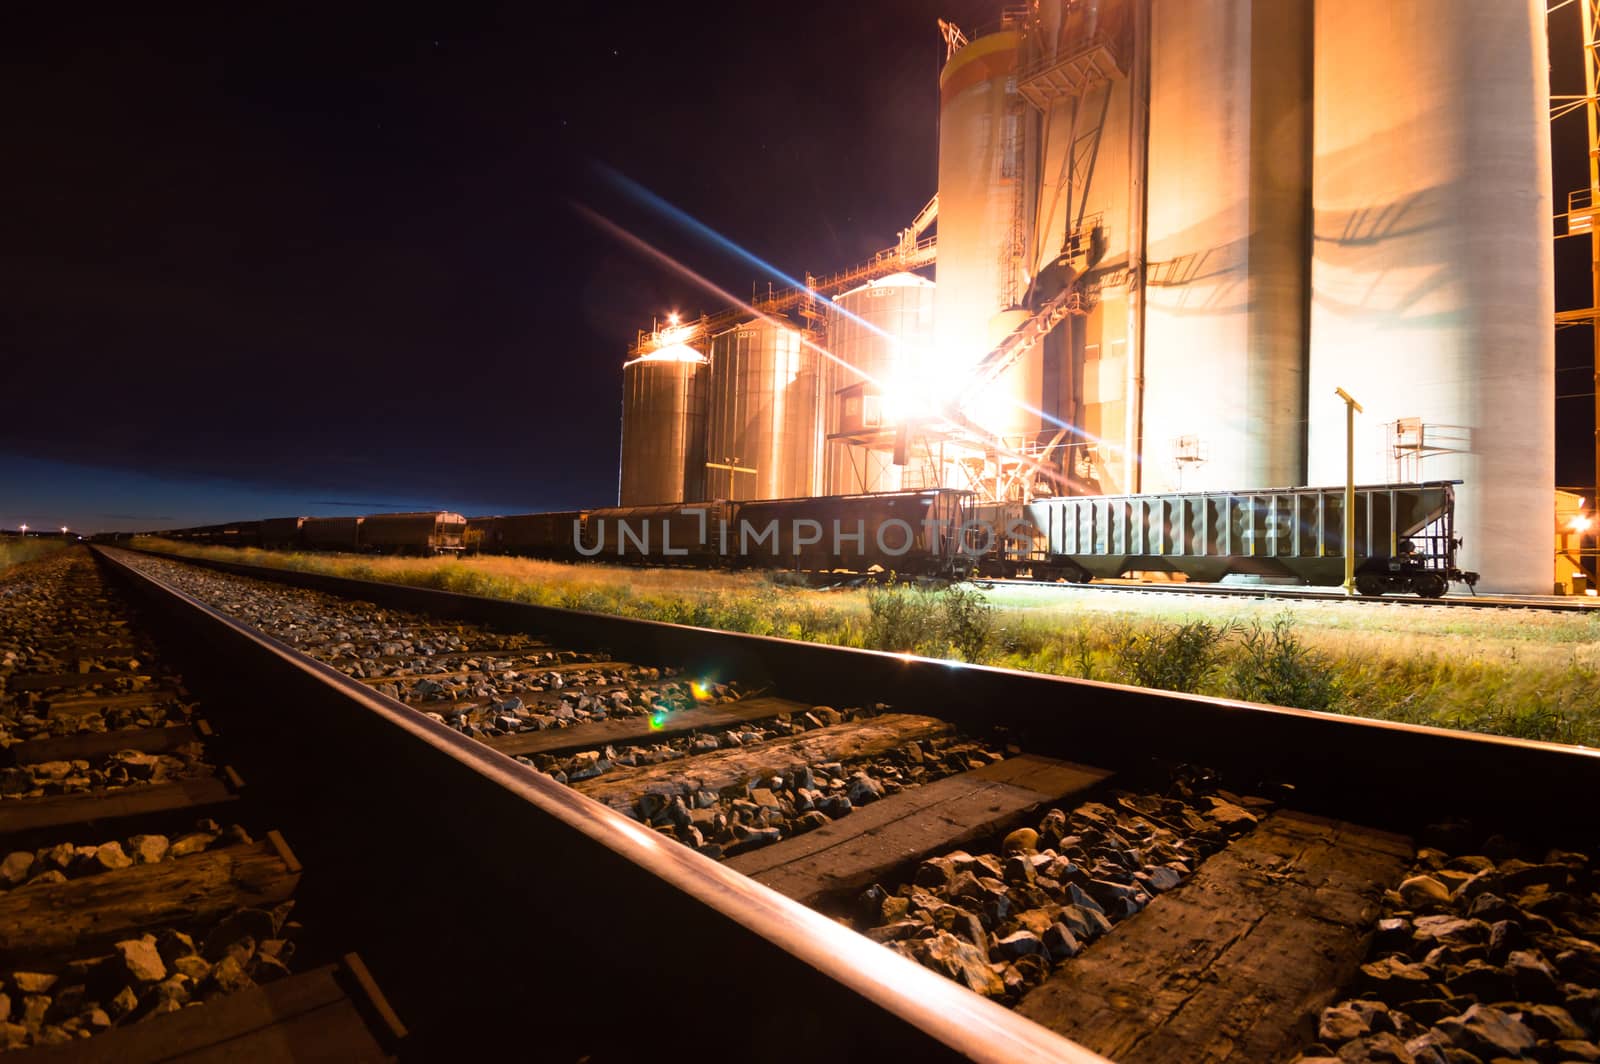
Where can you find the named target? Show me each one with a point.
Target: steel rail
(786, 983)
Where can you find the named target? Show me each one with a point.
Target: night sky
(327, 260)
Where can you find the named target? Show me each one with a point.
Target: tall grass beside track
(17, 551)
(1523, 674)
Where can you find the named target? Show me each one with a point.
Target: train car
(207, 534)
(902, 531)
(670, 534)
(239, 534)
(534, 535)
(480, 535)
(331, 533)
(1404, 536)
(434, 532)
(281, 533)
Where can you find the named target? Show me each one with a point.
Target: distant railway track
(1047, 843)
(1551, 603)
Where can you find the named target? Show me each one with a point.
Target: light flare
(939, 385)
(645, 248)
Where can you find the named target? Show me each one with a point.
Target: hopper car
(428, 532)
(1404, 537)
(908, 531)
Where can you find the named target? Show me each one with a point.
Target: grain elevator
(1166, 231)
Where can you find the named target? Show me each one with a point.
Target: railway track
(146, 901)
(1549, 603)
(1033, 868)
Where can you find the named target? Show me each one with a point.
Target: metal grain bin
(663, 427)
(764, 415)
(881, 334)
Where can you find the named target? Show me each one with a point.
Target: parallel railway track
(595, 811)
(146, 900)
(1548, 603)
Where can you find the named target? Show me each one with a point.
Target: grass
(758, 603)
(1524, 674)
(16, 551)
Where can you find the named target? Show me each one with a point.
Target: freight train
(1404, 535)
(906, 531)
(436, 532)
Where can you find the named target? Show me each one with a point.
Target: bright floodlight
(908, 395)
(1579, 523)
(672, 319)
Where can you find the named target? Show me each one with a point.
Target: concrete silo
(1432, 271)
(984, 203)
(663, 426)
(1221, 163)
(1226, 244)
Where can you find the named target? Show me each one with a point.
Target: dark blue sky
(278, 262)
(330, 254)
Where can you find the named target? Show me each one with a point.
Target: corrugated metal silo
(764, 416)
(1432, 278)
(983, 206)
(884, 330)
(1225, 319)
(663, 427)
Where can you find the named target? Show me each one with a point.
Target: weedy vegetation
(1536, 676)
(19, 550)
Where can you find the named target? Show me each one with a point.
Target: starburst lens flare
(933, 395)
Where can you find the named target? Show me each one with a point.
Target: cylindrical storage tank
(663, 427)
(983, 206)
(879, 334)
(1085, 361)
(764, 414)
(1433, 277)
(1225, 243)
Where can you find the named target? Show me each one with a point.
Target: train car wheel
(1430, 585)
(1368, 584)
